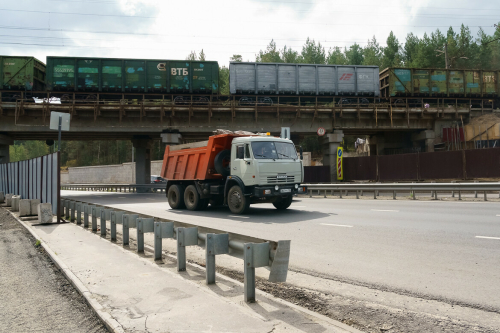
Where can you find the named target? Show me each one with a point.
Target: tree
(354, 55)
(202, 55)
(391, 55)
(224, 80)
(271, 54)
(313, 53)
(410, 50)
(336, 56)
(236, 57)
(192, 56)
(372, 53)
(290, 56)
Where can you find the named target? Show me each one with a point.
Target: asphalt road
(447, 251)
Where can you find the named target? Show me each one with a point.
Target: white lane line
(384, 210)
(485, 237)
(239, 217)
(337, 225)
(498, 215)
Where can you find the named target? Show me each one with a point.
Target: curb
(111, 324)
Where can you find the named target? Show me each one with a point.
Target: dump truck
(233, 170)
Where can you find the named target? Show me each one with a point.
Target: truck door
(243, 165)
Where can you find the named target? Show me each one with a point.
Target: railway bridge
(394, 124)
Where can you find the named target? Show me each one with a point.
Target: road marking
(122, 198)
(337, 225)
(239, 217)
(485, 237)
(498, 215)
(384, 210)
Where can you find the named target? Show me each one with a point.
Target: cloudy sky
(154, 29)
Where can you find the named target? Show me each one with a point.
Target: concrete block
(15, 203)
(2, 197)
(24, 207)
(8, 199)
(34, 206)
(45, 213)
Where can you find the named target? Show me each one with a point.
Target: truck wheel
(192, 199)
(236, 200)
(175, 197)
(221, 163)
(283, 203)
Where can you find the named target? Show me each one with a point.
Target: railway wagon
(303, 79)
(22, 73)
(439, 82)
(132, 75)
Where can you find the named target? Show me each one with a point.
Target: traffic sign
(321, 131)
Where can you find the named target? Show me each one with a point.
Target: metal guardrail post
(72, 205)
(78, 206)
(115, 217)
(374, 194)
(357, 194)
(86, 209)
(459, 195)
(340, 193)
(254, 255)
(475, 192)
(453, 192)
(394, 195)
(325, 194)
(185, 237)
(485, 196)
(214, 244)
(96, 212)
(66, 209)
(105, 214)
(129, 221)
(144, 225)
(162, 230)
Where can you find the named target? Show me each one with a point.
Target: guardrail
(405, 187)
(115, 187)
(255, 252)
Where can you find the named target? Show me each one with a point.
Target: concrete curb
(111, 324)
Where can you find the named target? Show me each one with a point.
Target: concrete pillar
(377, 142)
(330, 144)
(142, 145)
(5, 142)
(428, 136)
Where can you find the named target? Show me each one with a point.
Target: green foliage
(391, 53)
(313, 53)
(237, 58)
(224, 80)
(354, 55)
(25, 150)
(271, 54)
(336, 57)
(311, 144)
(372, 53)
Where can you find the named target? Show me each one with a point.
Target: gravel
(35, 295)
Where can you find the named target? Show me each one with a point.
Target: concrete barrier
(15, 203)
(34, 206)
(8, 199)
(24, 207)
(45, 213)
(2, 197)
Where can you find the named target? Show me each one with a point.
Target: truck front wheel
(236, 200)
(175, 196)
(283, 203)
(192, 199)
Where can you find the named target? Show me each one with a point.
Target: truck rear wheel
(283, 203)
(236, 200)
(175, 196)
(192, 199)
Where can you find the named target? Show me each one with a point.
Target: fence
(37, 178)
(458, 165)
(255, 252)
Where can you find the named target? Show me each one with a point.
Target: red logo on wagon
(345, 77)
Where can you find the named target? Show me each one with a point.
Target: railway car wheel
(175, 197)
(192, 199)
(236, 200)
(221, 163)
(283, 203)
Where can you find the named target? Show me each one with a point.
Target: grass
(38, 243)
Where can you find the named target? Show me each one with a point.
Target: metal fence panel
(398, 167)
(482, 163)
(317, 174)
(440, 165)
(55, 184)
(360, 168)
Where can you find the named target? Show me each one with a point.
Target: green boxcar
(22, 73)
(436, 82)
(132, 75)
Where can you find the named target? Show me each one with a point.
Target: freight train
(251, 82)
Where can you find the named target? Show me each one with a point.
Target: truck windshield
(273, 150)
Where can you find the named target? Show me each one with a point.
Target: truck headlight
(276, 187)
(296, 186)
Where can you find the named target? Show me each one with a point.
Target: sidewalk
(132, 293)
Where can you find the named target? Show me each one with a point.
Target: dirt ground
(34, 295)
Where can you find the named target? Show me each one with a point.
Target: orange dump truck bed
(195, 163)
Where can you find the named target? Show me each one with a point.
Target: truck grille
(276, 180)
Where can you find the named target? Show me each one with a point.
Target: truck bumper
(270, 191)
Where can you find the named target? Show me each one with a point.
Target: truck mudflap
(271, 191)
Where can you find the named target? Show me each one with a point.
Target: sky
(152, 29)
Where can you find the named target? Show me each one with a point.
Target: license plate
(286, 190)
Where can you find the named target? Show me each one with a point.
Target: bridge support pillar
(427, 137)
(5, 142)
(142, 145)
(330, 144)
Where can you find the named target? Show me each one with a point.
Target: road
(447, 251)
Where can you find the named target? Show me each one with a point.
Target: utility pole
(445, 52)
